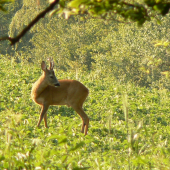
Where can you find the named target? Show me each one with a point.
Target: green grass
(129, 125)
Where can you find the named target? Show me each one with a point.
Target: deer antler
(51, 63)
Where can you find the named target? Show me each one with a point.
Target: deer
(48, 90)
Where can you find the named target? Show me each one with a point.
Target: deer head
(49, 74)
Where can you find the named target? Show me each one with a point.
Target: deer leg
(86, 125)
(44, 109)
(84, 117)
(83, 125)
(45, 120)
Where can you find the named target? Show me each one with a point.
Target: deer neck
(38, 87)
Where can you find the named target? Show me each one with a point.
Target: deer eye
(51, 77)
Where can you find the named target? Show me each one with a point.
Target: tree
(31, 24)
(120, 10)
(5, 20)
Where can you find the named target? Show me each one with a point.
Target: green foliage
(3, 3)
(128, 53)
(136, 11)
(103, 47)
(129, 124)
(127, 72)
(159, 5)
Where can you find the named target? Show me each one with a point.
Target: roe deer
(47, 90)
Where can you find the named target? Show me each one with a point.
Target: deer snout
(57, 84)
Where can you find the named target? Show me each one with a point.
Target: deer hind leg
(43, 114)
(84, 117)
(85, 125)
(45, 120)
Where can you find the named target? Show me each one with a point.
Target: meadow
(129, 125)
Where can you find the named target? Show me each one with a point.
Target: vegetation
(129, 125)
(138, 11)
(127, 72)
(117, 10)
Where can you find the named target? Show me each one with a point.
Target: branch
(31, 24)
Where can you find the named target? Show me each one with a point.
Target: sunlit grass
(129, 125)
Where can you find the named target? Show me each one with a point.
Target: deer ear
(43, 66)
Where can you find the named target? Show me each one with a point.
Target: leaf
(64, 158)
(77, 3)
(77, 146)
(67, 13)
(53, 12)
(165, 10)
(165, 44)
(2, 158)
(3, 2)
(158, 44)
(165, 73)
(78, 168)
(63, 141)
(2, 8)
